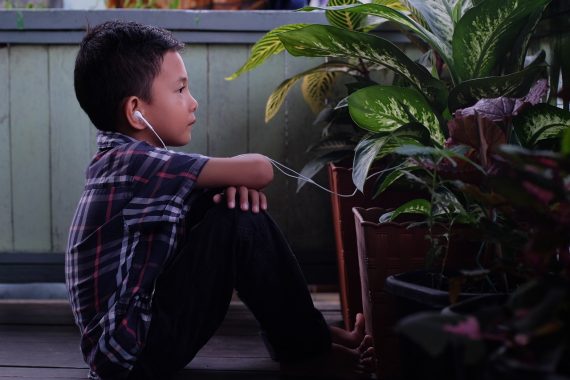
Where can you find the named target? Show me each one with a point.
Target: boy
(153, 256)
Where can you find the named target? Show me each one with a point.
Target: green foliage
(541, 122)
(321, 85)
(486, 32)
(476, 51)
(268, 45)
(512, 85)
(328, 41)
(386, 108)
(317, 87)
(341, 19)
(380, 144)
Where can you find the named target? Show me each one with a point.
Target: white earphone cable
(139, 115)
(281, 167)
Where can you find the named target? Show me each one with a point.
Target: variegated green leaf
(460, 7)
(328, 41)
(565, 143)
(380, 145)
(402, 19)
(415, 14)
(341, 19)
(514, 85)
(438, 15)
(337, 141)
(487, 32)
(394, 4)
(277, 97)
(316, 87)
(386, 108)
(415, 206)
(267, 46)
(389, 180)
(541, 122)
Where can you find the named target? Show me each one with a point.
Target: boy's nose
(193, 104)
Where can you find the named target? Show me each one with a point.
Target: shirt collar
(106, 140)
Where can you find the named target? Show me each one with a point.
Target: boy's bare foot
(352, 338)
(340, 362)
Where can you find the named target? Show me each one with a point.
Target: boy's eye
(181, 89)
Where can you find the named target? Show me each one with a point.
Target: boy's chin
(180, 142)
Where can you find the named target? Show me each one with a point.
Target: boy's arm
(254, 171)
(243, 176)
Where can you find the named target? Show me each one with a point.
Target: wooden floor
(39, 341)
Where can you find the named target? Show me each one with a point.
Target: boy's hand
(248, 198)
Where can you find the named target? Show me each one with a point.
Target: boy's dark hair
(116, 60)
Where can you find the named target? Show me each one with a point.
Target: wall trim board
(21, 267)
(56, 26)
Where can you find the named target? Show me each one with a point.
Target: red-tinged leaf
(469, 328)
(503, 109)
(479, 133)
(543, 195)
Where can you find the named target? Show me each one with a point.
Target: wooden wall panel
(227, 102)
(196, 61)
(270, 138)
(29, 122)
(51, 146)
(310, 226)
(70, 143)
(6, 230)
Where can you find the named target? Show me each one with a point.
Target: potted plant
(527, 336)
(461, 55)
(460, 182)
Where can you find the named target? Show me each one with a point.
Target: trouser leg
(231, 249)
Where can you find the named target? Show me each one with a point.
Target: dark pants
(230, 249)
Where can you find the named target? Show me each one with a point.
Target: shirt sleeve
(163, 189)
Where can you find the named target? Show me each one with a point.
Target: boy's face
(171, 110)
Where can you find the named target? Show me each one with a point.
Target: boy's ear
(130, 105)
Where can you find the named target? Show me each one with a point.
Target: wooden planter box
(386, 251)
(340, 179)
(383, 250)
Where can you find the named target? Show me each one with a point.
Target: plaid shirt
(128, 223)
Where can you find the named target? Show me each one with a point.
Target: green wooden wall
(47, 140)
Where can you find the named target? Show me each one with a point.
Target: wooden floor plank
(18, 373)
(38, 340)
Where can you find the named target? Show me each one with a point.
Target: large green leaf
(277, 97)
(541, 122)
(386, 108)
(514, 85)
(268, 45)
(402, 19)
(438, 15)
(342, 19)
(317, 87)
(415, 206)
(379, 145)
(328, 41)
(487, 32)
(389, 180)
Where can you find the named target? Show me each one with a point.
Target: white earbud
(139, 116)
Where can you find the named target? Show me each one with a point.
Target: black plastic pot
(414, 292)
